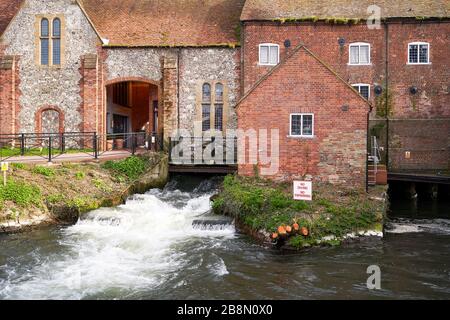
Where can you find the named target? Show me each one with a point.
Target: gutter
(386, 36)
(178, 88)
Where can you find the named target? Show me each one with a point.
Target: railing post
(133, 143)
(22, 144)
(95, 145)
(49, 148)
(63, 143)
(170, 149)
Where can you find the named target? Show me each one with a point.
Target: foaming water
(149, 249)
(402, 225)
(132, 247)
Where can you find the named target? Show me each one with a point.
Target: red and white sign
(303, 190)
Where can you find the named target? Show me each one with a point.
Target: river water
(148, 249)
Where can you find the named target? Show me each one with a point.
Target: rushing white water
(132, 247)
(437, 226)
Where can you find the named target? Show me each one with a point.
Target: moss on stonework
(263, 205)
(331, 20)
(384, 104)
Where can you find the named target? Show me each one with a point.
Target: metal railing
(50, 146)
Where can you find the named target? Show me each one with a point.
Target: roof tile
(350, 9)
(8, 9)
(166, 22)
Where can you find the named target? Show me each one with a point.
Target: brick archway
(154, 97)
(135, 79)
(41, 111)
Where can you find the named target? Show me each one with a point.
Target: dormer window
(269, 54)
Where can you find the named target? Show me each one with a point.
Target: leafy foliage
(131, 167)
(21, 193)
(45, 171)
(264, 205)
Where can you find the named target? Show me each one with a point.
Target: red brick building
(402, 66)
(322, 135)
(121, 66)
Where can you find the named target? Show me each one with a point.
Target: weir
(155, 247)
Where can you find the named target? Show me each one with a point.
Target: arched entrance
(49, 120)
(132, 105)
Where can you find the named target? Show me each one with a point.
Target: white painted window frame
(360, 85)
(301, 129)
(268, 45)
(359, 44)
(419, 43)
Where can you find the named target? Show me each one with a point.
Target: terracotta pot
(109, 145)
(119, 144)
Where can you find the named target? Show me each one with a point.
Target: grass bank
(36, 194)
(267, 208)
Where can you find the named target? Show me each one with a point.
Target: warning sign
(4, 166)
(303, 190)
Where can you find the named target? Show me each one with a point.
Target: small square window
(359, 54)
(363, 89)
(269, 54)
(302, 125)
(419, 53)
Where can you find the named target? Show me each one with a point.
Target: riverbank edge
(223, 205)
(156, 176)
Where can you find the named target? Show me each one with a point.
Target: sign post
(4, 166)
(303, 190)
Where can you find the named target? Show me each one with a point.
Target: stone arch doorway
(49, 120)
(133, 105)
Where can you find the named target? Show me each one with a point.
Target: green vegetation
(264, 205)
(55, 198)
(131, 167)
(15, 152)
(18, 166)
(83, 204)
(45, 171)
(61, 193)
(101, 185)
(80, 175)
(384, 104)
(331, 20)
(21, 193)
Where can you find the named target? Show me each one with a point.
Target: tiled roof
(356, 9)
(8, 9)
(165, 22)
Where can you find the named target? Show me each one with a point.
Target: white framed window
(359, 53)
(363, 89)
(418, 53)
(301, 125)
(269, 54)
